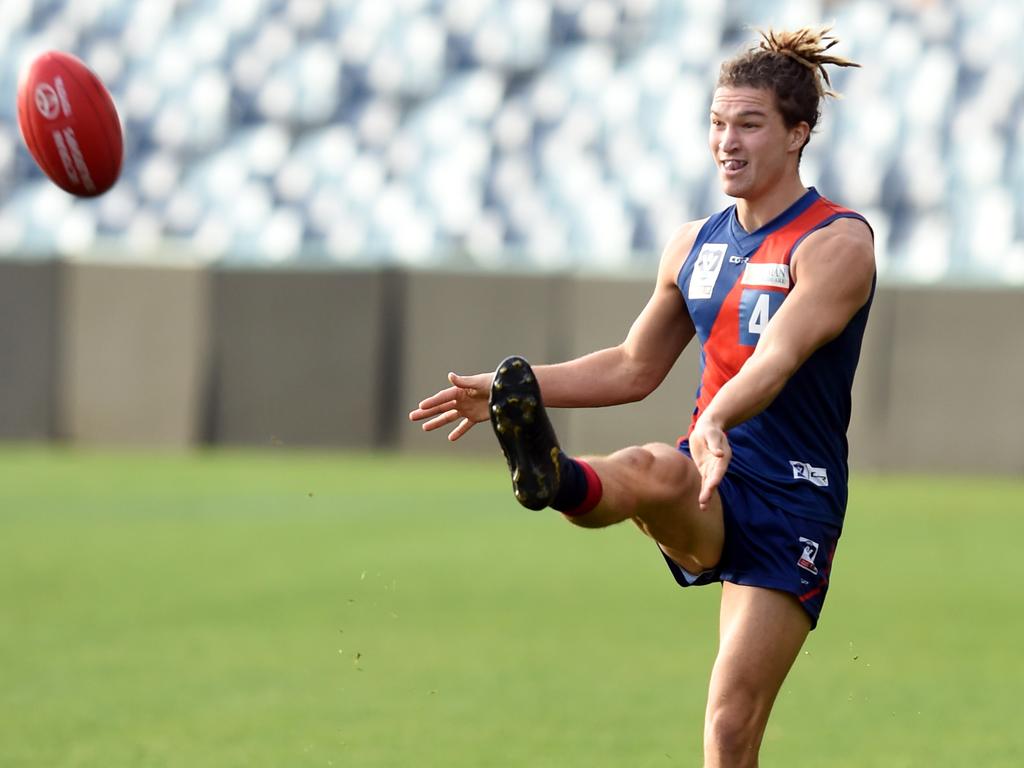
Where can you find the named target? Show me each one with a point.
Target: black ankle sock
(573, 484)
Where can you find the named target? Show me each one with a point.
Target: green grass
(232, 609)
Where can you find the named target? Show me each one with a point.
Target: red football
(70, 125)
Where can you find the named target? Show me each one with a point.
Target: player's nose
(729, 141)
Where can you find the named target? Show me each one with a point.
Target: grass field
(234, 609)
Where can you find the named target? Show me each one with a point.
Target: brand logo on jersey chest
(773, 275)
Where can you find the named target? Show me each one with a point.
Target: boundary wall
(103, 354)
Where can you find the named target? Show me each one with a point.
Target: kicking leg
(655, 485)
(761, 632)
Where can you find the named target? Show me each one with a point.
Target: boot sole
(525, 434)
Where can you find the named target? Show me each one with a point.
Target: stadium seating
(545, 134)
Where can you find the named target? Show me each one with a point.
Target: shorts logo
(806, 560)
(804, 471)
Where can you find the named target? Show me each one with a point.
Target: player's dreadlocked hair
(792, 65)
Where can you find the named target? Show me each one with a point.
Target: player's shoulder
(843, 225)
(847, 233)
(846, 242)
(677, 249)
(681, 243)
(848, 224)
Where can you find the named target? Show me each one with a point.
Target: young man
(777, 288)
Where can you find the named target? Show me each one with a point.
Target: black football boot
(526, 436)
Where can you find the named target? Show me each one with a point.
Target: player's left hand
(711, 452)
(466, 400)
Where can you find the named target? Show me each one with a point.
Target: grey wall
(28, 350)
(601, 313)
(161, 356)
(467, 323)
(299, 357)
(134, 354)
(953, 393)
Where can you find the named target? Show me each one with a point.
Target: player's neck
(754, 212)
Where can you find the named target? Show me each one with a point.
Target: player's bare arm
(633, 369)
(621, 374)
(833, 271)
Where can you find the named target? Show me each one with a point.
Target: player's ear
(798, 136)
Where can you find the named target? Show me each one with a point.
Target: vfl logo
(806, 560)
(710, 258)
(705, 270)
(804, 471)
(51, 100)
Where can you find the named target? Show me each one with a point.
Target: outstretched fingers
(435, 404)
(447, 417)
(466, 399)
(464, 426)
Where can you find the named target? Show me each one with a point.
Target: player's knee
(631, 464)
(637, 458)
(675, 474)
(733, 732)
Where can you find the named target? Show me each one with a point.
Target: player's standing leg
(761, 632)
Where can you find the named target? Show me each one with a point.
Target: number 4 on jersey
(756, 309)
(759, 316)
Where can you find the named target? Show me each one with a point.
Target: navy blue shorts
(765, 547)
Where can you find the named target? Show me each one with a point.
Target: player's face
(749, 141)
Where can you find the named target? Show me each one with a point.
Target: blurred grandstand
(528, 133)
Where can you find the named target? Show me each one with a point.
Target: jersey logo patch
(804, 471)
(706, 269)
(774, 275)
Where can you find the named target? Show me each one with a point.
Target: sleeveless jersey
(794, 453)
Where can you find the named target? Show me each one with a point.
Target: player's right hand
(711, 452)
(467, 399)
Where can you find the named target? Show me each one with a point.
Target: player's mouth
(731, 167)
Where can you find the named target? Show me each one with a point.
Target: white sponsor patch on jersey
(804, 471)
(706, 269)
(774, 275)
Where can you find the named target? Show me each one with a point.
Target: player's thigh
(691, 536)
(761, 632)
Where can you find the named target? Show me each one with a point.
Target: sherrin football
(70, 124)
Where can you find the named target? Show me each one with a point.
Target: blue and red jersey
(794, 453)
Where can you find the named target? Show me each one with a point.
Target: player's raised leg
(654, 485)
(657, 487)
(760, 634)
